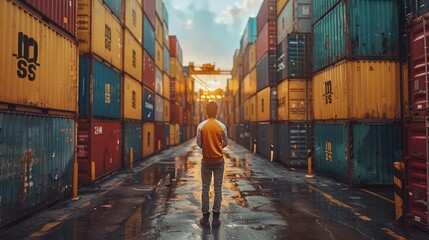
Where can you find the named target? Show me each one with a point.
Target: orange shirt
(212, 137)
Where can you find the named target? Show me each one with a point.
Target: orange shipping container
(166, 111)
(99, 32)
(134, 18)
(159, 56)
(249, 84)
(252, 57)
(133, 56)
(176, 70)
(263, 105)
(166, 83)
(132, 99)
(174, 134)
(159, 31)
(295, 102)
(253, 109)
(357, 90)
(148, 139)
(31, 71)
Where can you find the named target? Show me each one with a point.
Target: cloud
(236, 11)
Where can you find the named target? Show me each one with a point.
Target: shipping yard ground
(160, 199)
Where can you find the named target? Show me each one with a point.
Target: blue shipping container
(166, 60)
(249, 34)
(36, 163)
(293, 142)
(357, 154)
(115, 7)
(132, 139)
(148, 105)
(105, 89)
(357, 29)
(148, 37)
(294, 57)
(321, 7)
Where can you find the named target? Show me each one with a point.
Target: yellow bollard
(398, 190)
(75, 181)
(131, 158)
(92, 171)
(309, 163)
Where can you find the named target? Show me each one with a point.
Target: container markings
(377, 195)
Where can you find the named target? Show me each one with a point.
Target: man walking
(212, 137)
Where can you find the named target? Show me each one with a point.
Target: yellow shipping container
(174, 134)
(249, 84)
(263, 105)
(133, 56)
(38, 66)
(166, 111)
(166, 36)
(159, 56)
(247, 110)
(148, 139)
(405, 88)
(132, 98)
(280, 5)
(252, 56)
(253, 109)
(99, 32)
(134, 18)
(166, 83)
(357, 90)
(295, 102)
(176, 69)
(159, 31)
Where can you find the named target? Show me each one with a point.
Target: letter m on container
(27, 54)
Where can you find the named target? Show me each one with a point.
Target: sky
(209, 31)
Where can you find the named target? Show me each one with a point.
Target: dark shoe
(205, 220)
(216, 220)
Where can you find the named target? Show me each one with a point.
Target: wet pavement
(161, 199)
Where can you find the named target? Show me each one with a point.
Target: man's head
(211, 109)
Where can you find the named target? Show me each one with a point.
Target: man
(212, 137)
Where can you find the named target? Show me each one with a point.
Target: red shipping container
(416, 174)
(417, 66)
(149, 10)
(98, 149)
(267, 40)
(267, 12)
(159, 137)
(176, 49)
(62, 13)
(148, 71)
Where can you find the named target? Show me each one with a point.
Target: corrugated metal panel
(267, 12)
(132, 104)
(167, 110)
(115, 6)
(159, 82)
(358, 90)
(103, 99)
(266, 72)
(416, 172)
(149, 10)
(148, 38)
(148, 105)
(133, 56)
(175, 49)
(159, 31)
(159, 56)
(294, 57)
(166, 60)
(166, 137)
(134, 19)
(36, 157)
(158, 9)
(62, 12)
(417, 65)
(374, 36)
(166, 86)
(321, 7)
(280, 5)
(159, 137)
(132, 139)
(294, 100)
(295, 18)
(263, 105)
(30, 72)
(98, 142)
(267, 135)
(99, 32)
(159, 108)
(249, 34)
(148, 71)
(292, 147)
(148, 139)
(267, 40)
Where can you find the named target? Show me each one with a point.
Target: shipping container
(148, 139)
(30, 72)
(405, 91)
(166, 60)
(249, 34)
(132, 140)
(148, 105)
(418, 66)
(357, 90)
(266, 104)
(416, 160)
(253, 109)
(166, 36)
(159, 85)
(159, 137)
(266, 72)
(321, 7)
(295, 101)
(159, 9)
(149, 11)
(295, 18)
(175, 49)
(176, 112)
(60, 12)
(115, 6)
(132, 98)
(280, 5)
(246, 58)
(267, 12)
(159, 108)
(148, 71)
(174, 134)
(166, 111)
(159, 31)
(166, 86)
(266, 141)
(159, 56)
(148, 38)
(357, 153)
(98, 149)
(36, 163)
(253, 135)
(252, 56)
(165, 14)
(370, 31)
(418, 7)
(99, 32)
(267, 40)
(166, 137)
(134, 19)
(176, 70)
(99, 89)
(293, 142)
(294, 57)
(133, 56)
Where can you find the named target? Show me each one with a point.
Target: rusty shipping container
(37, 153)
(30, 74)
(61, 13)
(134, 19)
(148, 105)
(175, 49)
(132, 134)
(267, 40)
(294, 142)
(295, 101)
(159, 137)
(133, 56)
(267, 12)
(294, 18)
(148, 71)
(148, 141)
(357, 90)
(98, 149)
(149, 10)
(132, 98)
(99, 32)
(294, 57)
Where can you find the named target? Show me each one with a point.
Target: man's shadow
(208, 233)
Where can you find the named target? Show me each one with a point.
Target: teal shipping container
(132, 133)
(321, 7)
(148, 105)
(249, 34)
(293, 142)
(294, 57)
(166, 61)
(357, 29)
(148, 37)
(36, 163)
(106, 83)
(165, 14)
(357, 154)
(115, 6)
